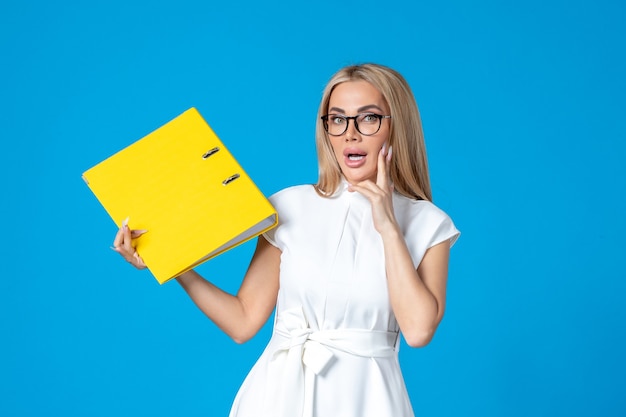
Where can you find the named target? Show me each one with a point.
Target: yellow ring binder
(160, 182)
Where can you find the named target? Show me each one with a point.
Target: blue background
(523, 109)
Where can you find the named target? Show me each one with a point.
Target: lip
(354, 163)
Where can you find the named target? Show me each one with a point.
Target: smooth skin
(417, 296)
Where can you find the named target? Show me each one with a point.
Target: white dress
(334, 348)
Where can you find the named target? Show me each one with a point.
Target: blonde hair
(409, 165)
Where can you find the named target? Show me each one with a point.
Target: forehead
(351, 95)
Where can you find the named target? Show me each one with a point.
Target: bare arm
(417, 296)
(241, 315)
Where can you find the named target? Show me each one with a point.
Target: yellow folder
(182, 185)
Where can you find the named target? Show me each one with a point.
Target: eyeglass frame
(380, 118)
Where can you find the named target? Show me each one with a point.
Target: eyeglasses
(365, 123)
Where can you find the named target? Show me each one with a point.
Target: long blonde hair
(409, 165)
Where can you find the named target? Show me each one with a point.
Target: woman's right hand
(123, 244)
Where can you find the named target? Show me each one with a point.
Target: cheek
(380, 141)
(385, 135)
(336, 149)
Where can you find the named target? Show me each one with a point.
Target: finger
(380, 165)
(367, 189)
(132, 258)
(138, 261)
(119, 238)
(128, 240)
(136, 233)
(388, 173)
(382, 174)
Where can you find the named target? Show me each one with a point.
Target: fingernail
(389, 153)
(125, 222)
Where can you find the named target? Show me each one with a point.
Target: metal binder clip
(210, 152)
(230, 179)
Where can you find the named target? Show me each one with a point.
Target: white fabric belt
(304, 353)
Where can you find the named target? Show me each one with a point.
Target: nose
(351, 133)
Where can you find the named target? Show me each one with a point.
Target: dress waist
(301, 353)
(358, 342)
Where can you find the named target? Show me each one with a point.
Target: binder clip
(210, 152)
(230, 179)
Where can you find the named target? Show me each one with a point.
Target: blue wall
(523, 108)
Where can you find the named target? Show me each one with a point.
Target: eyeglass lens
(366, 124)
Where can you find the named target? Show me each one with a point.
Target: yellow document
(182, 185)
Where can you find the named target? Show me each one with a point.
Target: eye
(336, 119)
(368, 118)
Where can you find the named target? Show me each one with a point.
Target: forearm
(224, 309)
(240, 316)
(415, 306)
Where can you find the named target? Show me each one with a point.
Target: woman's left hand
(380, 193)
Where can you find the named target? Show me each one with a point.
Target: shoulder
(293, 205)
(296, 200)
(296, 195)
(422, 219)
(295, 191)
(413, 209)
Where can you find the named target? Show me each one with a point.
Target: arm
(417, 296)
(240, 316)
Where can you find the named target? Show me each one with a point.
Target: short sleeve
(424, 225)
(287, 203)
(445, 231)
(270, 235)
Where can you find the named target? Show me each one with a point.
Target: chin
(355, 179)
(354, 176)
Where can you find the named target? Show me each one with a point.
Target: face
(357, 154)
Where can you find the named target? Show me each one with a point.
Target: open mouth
(355, 156)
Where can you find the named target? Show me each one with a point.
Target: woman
(356, 259)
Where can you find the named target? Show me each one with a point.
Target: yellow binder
(182, 185)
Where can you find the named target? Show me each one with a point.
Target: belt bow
(304, 353)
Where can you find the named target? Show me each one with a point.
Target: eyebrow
(360, 109)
